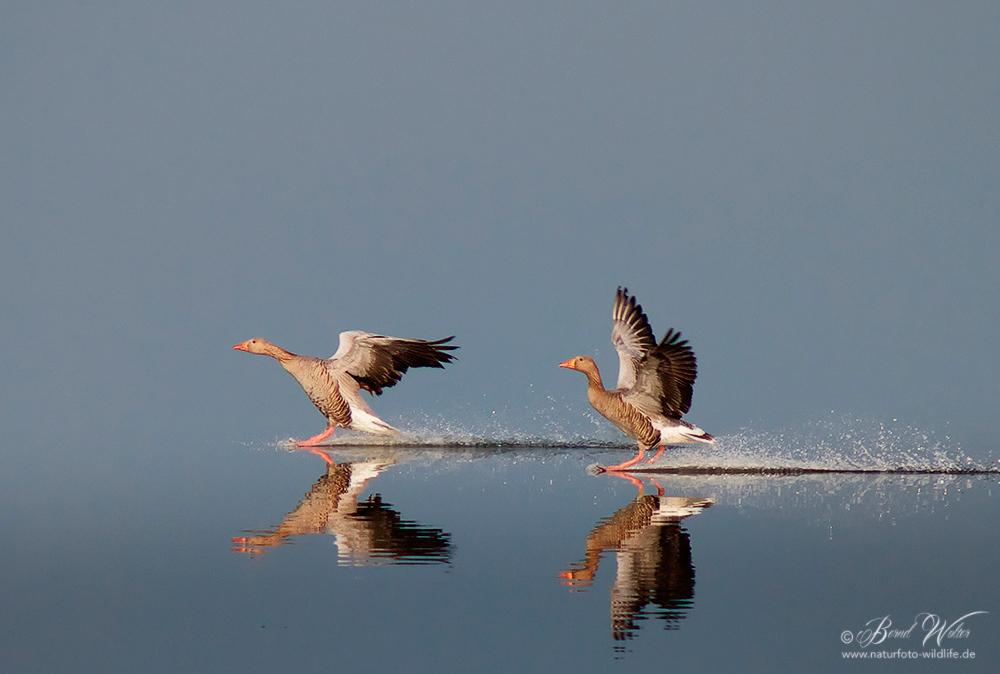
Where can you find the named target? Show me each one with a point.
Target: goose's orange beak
(242, 346)
(571, 364)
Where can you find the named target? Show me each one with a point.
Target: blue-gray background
(809, 192)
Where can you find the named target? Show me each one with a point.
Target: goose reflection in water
(653, 553)
(367, 533)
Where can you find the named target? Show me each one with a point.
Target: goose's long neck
(598, 396)
(594, 382)
(279, 354)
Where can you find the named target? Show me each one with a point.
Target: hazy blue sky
(808, 191)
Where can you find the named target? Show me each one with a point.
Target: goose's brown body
(655, 383)
(314, 377)
(363, 361)
(613, 406)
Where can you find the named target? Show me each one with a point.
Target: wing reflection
(655, 575)
(367, 533)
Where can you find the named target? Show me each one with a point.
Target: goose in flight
(655, 383)
(362, 361)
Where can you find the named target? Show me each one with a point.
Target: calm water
(255, 558)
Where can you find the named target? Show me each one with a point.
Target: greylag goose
(655, 383)
(362, 361)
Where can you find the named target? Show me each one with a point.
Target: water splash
(844, 444)
(484, 433)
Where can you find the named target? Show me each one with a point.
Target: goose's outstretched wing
(666, 377)
(377, 362)
(632, 337)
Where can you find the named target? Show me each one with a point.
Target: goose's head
(255, 345)
(583, 364)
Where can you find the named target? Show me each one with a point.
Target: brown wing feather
(667, 375)
(631, 336)
(390, 358)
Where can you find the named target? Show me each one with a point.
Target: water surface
(484, 558)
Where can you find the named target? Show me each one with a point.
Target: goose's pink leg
(631, 462)
(316, 439)
(657, 455)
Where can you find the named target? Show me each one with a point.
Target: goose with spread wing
(362, 361)
(655, 383)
